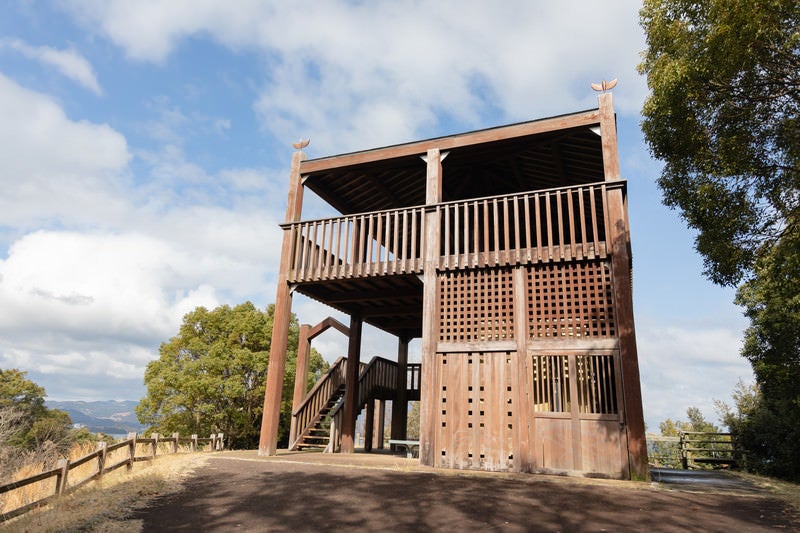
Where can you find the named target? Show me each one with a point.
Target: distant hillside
(109, 417)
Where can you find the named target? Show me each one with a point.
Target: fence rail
(692, 449)
(102, 456)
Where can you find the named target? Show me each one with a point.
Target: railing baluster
(496, 227)
(549, 226)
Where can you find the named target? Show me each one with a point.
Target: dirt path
(240, 492)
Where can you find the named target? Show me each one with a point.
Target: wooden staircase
(323, 406)
(318, 435)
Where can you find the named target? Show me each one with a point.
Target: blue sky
(145, 146)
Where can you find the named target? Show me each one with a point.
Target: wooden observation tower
(507, 251)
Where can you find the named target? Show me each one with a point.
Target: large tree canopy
(210, 378)
(724, 116)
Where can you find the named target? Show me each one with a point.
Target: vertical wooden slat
(560, 215)
(387, 245)
(582, 217)
(457, 230)
(476, 234)
(571, 216)
(446, 233)
(337, 254)
(506, 232)
(496, 228)
(517, 231)
(549, 215)
(595, 232)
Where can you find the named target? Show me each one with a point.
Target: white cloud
(51, 166)
(68, 62)
(355, 76)
(683, 366)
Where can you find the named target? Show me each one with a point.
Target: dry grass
(105, 505)
(785, 490)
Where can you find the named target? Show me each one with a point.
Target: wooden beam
(303, 352)
(585, 118)
(430, 311)
(326, 324)
(400, 400)
(268, 440)
(351, 385)
(608, 137)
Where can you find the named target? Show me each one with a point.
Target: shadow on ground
(236, 492)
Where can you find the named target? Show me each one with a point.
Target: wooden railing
(541, 226)
(305, 416)
(561, 224)
(106, 461)
(382, 242)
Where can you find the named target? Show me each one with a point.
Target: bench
(410, 446)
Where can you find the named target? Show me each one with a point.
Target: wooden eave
(539, 154)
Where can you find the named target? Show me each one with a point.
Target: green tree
(696, 422)
(767, 425)
(724, 116)
(34, 424)
(210, 378)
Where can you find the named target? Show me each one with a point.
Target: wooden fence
(692, 449)
(106, 458)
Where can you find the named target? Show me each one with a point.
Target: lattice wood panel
(571, 300)
(477, 411)
(476, 305)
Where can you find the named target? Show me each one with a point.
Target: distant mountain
(110, 417)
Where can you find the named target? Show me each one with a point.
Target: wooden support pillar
(351, 409)
(379, 423)
(618, 240)
(369, 426)
(268, 441)
(400, 400)
(430, 311)
(300, 376)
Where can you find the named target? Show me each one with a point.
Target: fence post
(61, 479)
(131, 450)
(102, 446)
(194, 442)
(175, 442)
(684, 452)
(220, 441)
(154, 436)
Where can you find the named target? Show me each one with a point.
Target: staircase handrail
(336, 368)
(378, 372)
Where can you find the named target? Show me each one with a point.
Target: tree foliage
(29, 431)
(767, 421)
(22, 402)
(724, 116)
(210, 377)
(696, 422)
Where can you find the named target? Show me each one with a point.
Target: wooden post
(619, 242)
(300, 378)
(524, 425)
(268, 442)
(131, 451)
(400, 401)
(102, 447)
(379, 433)
(194, 442)
(220, 442)
(351, 385)
(155, 445)
(175, 437)
(61, 480)
(430, 311)
(369, 426)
